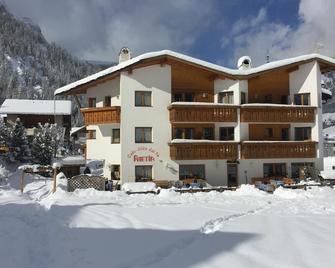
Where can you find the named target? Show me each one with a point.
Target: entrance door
(232, 175)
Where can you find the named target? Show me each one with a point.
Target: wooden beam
(54, 180)
(22, 182)
(77, 101)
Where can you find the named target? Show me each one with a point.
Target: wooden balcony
(203, 113)
(101, 115)
(280, 149)
(294, 114)
(203, 150)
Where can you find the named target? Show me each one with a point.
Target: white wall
(215, 170)
(102, 148)
(108, 88)
(222, 85)
(305, 80)
(254, 167)
(156, 79)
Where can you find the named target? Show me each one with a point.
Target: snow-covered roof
(326, 91)
(201, 63)
(74, 130)
(42, 107)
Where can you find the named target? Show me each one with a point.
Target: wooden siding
(186, 78)
(102, 115)
(264, 150)
(294, 114)
(274, 83)
(203, 151)
(257, 132)
(201, 113)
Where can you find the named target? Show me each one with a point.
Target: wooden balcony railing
(277, 114)
(299, 149)
(101, 115)
(203, 113)
(204, 151)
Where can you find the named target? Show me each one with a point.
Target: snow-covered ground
(87, 228)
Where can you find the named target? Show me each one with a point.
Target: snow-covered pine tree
(4, 134)
(43, 145)
(18, 142)
(57, 134)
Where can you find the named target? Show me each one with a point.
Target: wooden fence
(85, 182)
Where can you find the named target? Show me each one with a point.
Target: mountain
(30, 66)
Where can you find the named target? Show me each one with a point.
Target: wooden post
(22, 181)
(54, 180)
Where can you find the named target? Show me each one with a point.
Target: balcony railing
(257, 150)
(203, 113)
(265, 113)
(101, 115)
(203, 150)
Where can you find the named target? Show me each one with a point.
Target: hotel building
(168, 116)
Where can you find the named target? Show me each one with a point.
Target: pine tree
(18, 142)
(4, 134)
(57, 134)
(43, 145)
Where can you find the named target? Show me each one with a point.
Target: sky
(218, 31)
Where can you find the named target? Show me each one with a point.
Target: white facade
(157, 79)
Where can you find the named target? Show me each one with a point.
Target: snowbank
(139, 187)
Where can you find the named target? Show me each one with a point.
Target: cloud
(258, 37)
(249, 22)
(98, 29)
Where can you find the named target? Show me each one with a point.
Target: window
(142, 98)
(301, 99)
(285, 134)
(284, 99)
(226, 133)
(226, 97)
(143, 173)
(302, 133)
(243, 98)
(92, 102)
(274, 169)
(184, 96)
(178, 133)
(115, 172)
(177, 97)
(189, 133)
(189, 97)
(333, 167)
(107, 102)
(191, 172)
(268, 133)
(143, 134)
(116, 135)
(91, 134)
(183, 133)
(208, 133)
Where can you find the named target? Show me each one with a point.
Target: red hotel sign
(143, 154)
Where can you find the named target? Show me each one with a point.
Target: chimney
(244, 63)
(124, 54)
